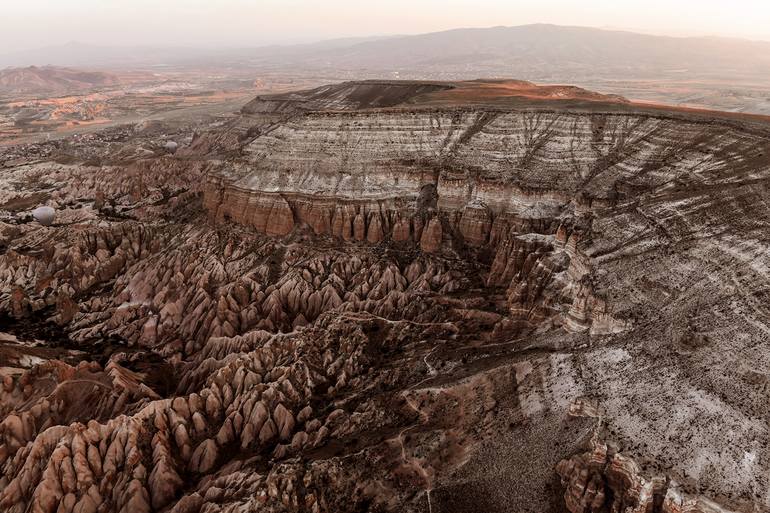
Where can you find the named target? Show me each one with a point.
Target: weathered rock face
(601, 479)
(362, 176)
(365, 299)
(491, 171)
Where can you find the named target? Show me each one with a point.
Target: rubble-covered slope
(363, 299)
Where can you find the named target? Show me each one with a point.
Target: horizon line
(370, 38)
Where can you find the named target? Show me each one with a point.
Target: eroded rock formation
(392, 297)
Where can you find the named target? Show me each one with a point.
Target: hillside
(51, 80)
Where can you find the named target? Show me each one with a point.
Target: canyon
(418, 296)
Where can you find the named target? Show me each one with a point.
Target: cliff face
(383, 298)
(454, 179)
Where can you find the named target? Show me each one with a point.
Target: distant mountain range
(527, 51)
(721, 73)
(51, 79)
(538, 52)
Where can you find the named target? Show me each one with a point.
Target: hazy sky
(36, 23)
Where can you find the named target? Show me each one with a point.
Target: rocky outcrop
(603, 480)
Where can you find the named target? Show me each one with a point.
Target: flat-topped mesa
(362, 154)
(454, 166)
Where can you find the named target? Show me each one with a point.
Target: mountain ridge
(51, 79)
(98, 54)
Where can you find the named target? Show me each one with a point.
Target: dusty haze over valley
(305, 257)
(67, 88)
